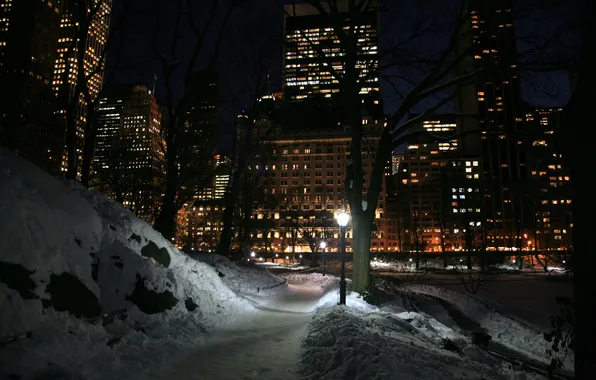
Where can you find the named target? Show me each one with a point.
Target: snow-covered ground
(347, 343)
(89, 291)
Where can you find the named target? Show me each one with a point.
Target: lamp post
(323, 245)
(342, 219)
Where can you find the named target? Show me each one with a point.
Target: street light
(323, 245)
(342, 219)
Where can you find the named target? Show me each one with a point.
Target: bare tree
(431, 78)
(254, 57)
(180, 23)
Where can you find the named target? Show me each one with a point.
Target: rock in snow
(69, 258)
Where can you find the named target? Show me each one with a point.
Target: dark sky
(144, 30)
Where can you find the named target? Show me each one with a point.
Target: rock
(16, 277)
(160, 255)
(149, 301)
(70, 294)
(480, 338)
(135, 237)
(190, 304)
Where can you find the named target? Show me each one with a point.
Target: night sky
(144, 29)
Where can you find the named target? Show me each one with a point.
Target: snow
(509, 331)
(248, 323)
(50, 227)
(344, 342)
(246, 281)
(364, 205)
(266, 345)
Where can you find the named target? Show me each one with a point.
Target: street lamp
(323, 245)
(342, 219)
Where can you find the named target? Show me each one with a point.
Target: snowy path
(266, 345)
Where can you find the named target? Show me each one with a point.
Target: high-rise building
(66, 68)
(550, 187)
(312, 47)
(129, 154)
(439, 191)
(305, 171)
(28, 45)
(202, 99)
(496, 97)
(200, 220)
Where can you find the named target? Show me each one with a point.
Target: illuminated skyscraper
(312, 47)
(551, 184)
(129, 153)
(496, 97)
(72, 38)
(441, 188)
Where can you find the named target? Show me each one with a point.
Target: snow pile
(343, 343)
(326, 282)
(506, 330)
(90, 287)
(246, 281)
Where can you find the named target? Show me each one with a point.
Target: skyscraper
(551, 184)
(28, 43)
(129, 152)
(439, 190)
(496, 97)
(84, 27)
(312, 47)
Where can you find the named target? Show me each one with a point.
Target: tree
(352, 79)
(254, 59)
(575, 143)
(431, 77)
(177, 59)
(314, 228)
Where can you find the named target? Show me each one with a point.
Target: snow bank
(345, 343)
(506, 330)
(70, 258)
(246, 281)
(326, 282)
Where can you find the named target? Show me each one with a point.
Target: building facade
(129, 153)
(311, 40)
(496, 97)
(73, 39)
(200, 220)
(29, 32)
(550, 189)
(439, 199)
(304, 175)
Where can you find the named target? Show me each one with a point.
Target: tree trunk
(443, 251)
(166, 220)
(71, 144)
(361, 236)
(89, 146)
(577, 148)
(225, 238)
